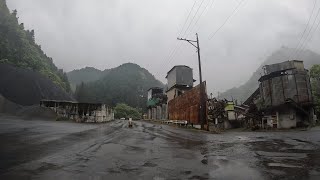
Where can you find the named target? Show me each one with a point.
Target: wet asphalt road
(65, 150)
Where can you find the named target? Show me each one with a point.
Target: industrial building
(283, 100)
(157, 104)
(224, 114)
(80, 112)
(285, 95)
(183, 99)
(179, 80)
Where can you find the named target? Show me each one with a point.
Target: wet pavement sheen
(65, 150)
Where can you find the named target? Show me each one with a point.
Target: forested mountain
(18, 48)
(127, 83)
(27, 87)
(242, 92)
(87, 74)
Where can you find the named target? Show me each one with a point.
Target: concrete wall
(164, 111)
(287, 118)
(154, 113)
(171, 78)
(231, 115)
(80, 112)
(159, 112)
(149, 115)
(171, 94)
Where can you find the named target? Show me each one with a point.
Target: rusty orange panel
(186, 106)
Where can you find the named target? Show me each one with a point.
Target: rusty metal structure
(285, 95)
(283, 81)
(186, 106)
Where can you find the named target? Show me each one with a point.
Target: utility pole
(202, 107)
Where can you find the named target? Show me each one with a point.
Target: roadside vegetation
(125, 111)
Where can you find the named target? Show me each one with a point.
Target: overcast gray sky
(107, 33)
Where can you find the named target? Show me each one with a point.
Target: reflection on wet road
(64, 150)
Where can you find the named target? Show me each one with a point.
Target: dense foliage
(127, 83)
(85, 75)
(315, 82)
(125, 111)
(18, 47)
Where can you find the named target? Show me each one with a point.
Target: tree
(81, 92)
(127, 84)
(18, 48)
(315, 83)
(15, 13)
(124, 111)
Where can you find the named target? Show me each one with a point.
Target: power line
(309, 32)
(233, 12)
(184, 24)
(192, 19)
(304, 31)
(204, 10)
(182, 28)
(176, 49)
(306, 44)
(211, 5)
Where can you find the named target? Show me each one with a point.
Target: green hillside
(127, 83)
(18, 48)
(85, 75)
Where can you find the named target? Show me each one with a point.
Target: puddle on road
(242, 138)
(283, 165)
(229, 169)
(282, 155)
(279, 158)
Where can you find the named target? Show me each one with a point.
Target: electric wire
(177, 48)
(202, 12)
(304, 31)
(166, 59)
(228, 18)
(308, 35)
(306, 44)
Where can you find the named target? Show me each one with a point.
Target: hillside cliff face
(27, 87)
(18, 48)
(242, 92)
(127, 83)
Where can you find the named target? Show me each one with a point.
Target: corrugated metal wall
(295, 85)
(184, 76)
(284, 66)
(180, 75)
(186, 106)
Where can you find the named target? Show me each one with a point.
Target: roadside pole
(202, 106)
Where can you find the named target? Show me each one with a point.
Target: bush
(125, 111)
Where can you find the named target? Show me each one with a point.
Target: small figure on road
(130, 122)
